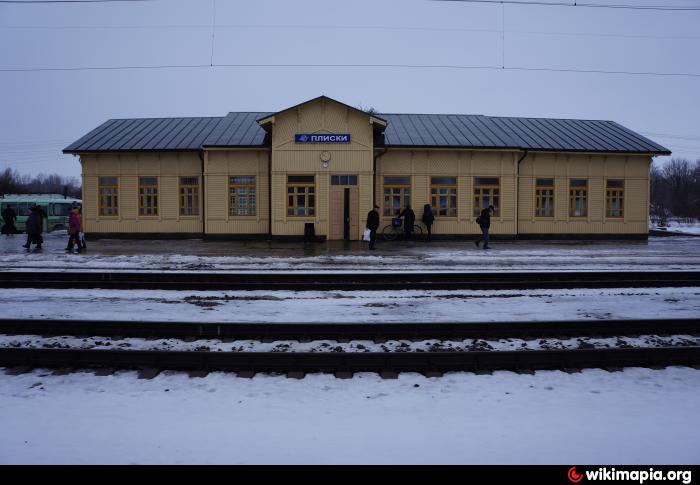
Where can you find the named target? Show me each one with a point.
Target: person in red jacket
(74, 229)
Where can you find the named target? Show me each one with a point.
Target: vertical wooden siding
(219, 166)
(596, 169)
(463, 164)
(289, 158)
(168, 167)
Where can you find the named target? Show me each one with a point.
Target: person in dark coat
(408, 222)
(34, 227)
(484, 221)
(428, 219)
(9, 216)
(373, 225)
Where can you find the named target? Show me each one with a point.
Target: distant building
(325, 163)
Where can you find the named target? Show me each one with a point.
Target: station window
(108, 193)
(242, 196)
(301, 195)
(343, 179)
(148, 196)
(615, 198)
(544, 197)
(486, 193)
(397, 194)
(578, 198)
(443, 196)
(189, 196)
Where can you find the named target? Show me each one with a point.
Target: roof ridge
(546, 118)
(169, 118)
(432, 114)
(495, 116)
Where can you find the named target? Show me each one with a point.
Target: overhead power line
(29, 2)
(345, 27)
(679, 8)
(673, 8)
(213, 31)
(51, 141)
(672, 136)
(356, 66)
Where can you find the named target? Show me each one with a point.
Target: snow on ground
(354, 346)
(352, 306)
(637, 416)
(681, 227)
(658, 253)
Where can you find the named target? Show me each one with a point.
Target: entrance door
(344, 209)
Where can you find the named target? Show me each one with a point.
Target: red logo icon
(573, 476)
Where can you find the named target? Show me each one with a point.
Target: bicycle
(395, 229)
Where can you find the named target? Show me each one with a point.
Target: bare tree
(8, 181)
(370, 110)
(675, 190)
(12, 182)
(657, 210)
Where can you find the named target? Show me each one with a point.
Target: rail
(347, 281)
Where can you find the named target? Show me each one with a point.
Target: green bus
(55, 206)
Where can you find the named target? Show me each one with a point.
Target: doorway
(344, 208)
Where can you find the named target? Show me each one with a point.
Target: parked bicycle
(395, 229)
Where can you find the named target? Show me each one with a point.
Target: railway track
(343, 332)
(387, 364)
(346, 281)
(345, 364)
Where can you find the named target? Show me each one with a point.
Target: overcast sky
(43, 111)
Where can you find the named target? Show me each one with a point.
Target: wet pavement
(195, 254)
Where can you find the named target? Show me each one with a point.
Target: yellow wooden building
(324, 163)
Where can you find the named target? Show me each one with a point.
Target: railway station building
(324, 163)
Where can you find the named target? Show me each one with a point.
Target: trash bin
(309, 231)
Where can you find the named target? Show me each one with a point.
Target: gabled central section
(321, 164)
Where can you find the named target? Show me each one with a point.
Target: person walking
(484, 221)
(373, 225)
(34, 227)
(9, 216)
(428, 219)
(81, 235)
(74, 229)
(408, 222)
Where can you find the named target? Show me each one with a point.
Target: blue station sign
(308, 138)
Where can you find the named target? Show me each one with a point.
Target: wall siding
(219, 166)
(596, 169)
(168, 167)
(464, 164)
(289, 158)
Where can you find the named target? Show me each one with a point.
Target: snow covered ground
(352, 306)
(658, 253)
(637, 416)
(354, 346)
(633, 416)
(681, 227)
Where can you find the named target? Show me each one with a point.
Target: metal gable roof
(318, 98)
(241, 129)
(237, 129)
(146, 134)
(547, 134)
